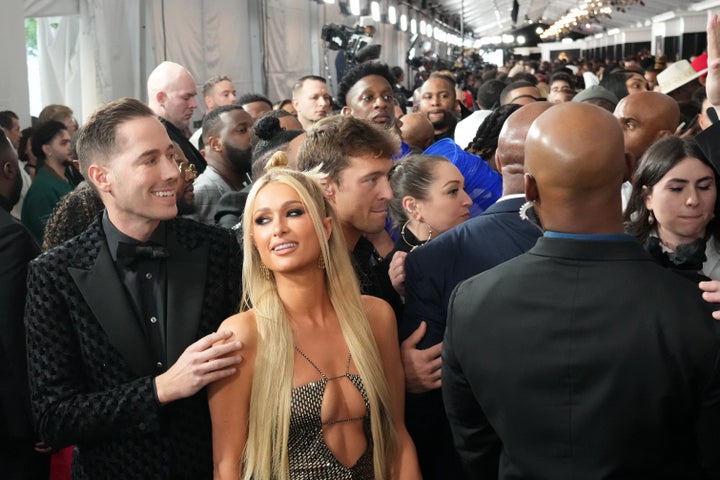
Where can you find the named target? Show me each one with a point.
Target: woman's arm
(384, 327)
(229, 401)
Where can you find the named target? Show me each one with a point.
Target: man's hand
(201, 363)
(711, 294)
(396, 272)
(422, 367)
(712, 84)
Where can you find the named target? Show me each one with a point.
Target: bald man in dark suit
(581, 358)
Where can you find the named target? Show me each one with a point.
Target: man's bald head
(171, 93)
(574, 180)
(646, 117)
(417, 130)
(510, 153)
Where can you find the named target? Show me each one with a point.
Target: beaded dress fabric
(309, 456)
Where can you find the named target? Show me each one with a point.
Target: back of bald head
(511, 142)
(417, 130)
(575, 164)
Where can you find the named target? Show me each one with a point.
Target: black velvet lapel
(186, 274)
(104, 293)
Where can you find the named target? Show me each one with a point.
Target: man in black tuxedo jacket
(431, 274)
(581, 358)
(120, 319)
(19, 458)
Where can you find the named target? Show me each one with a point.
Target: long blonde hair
(266, 452)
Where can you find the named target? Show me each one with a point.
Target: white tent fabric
(104, 49)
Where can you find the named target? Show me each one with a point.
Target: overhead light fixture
(423, 27)
(403, 22)
(520, 40)
(392, 15)
(375, 11)
(330, 1)
(355, 7)
(413, 26)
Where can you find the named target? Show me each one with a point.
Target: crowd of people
(512, 275)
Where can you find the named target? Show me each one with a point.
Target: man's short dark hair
(211, 123)
(488, 94)
(212, 81)
(43, 135)
(6, 119)
(333, 140)
(357, 73)
(563, 77)
(513, 86)
(252, 98)
(97, 140)
(301, 81)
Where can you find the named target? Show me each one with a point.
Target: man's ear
(9, 170)
(531, 191)
(346, 110)
(46, 150)
(214, 143)
(328, 188)
(160, 97)
(100, 177)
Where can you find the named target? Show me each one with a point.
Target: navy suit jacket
(433, 270)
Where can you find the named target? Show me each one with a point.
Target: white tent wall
(104, 49)
(14, 81)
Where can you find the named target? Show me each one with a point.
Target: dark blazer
(583, 359)
(17, 248)
(91, 371)
(432, 272)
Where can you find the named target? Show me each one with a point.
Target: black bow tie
(127, 253)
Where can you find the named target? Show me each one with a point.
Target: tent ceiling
(493, 17)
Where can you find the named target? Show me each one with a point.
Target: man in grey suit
(581, 358)
(120, 319)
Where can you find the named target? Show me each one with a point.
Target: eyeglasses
(187, 170)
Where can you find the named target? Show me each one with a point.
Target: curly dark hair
(359, 72)
(72, 215)
(486, 138)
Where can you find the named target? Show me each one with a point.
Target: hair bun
(267, 127)
(277, 160)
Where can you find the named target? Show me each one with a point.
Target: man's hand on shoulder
(203, 362)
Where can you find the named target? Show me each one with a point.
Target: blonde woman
(320, 391)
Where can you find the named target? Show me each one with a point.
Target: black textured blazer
(91, 374)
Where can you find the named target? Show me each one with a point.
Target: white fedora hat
(677, 75)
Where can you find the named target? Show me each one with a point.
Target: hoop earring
(413, 247)
(651, 218)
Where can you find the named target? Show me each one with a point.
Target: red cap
(700, 63)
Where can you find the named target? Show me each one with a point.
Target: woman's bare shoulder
(379, 313)
(243, 325)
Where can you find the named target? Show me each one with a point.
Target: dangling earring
(651, 218)
(321, 262)
(264, 271)
(413, 247)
